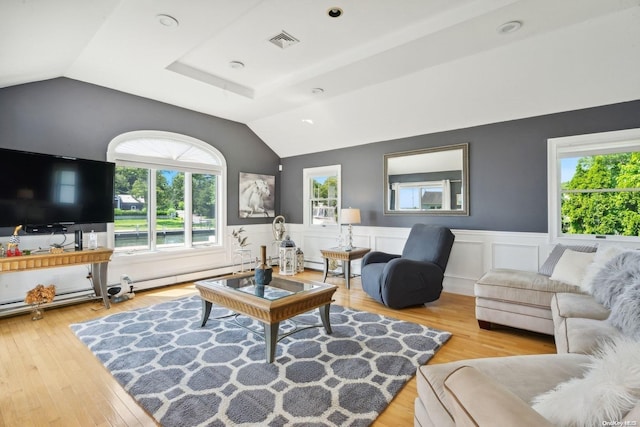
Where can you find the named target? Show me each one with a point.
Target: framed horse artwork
(257, 195)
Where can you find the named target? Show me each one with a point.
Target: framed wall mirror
(431, 181)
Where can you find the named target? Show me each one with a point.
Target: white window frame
(217, 166)
(582, 145)
(443, 185)
(307, 175)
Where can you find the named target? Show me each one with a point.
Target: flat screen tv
(44, 190)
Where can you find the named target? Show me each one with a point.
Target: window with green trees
(322, 195)
(596, 185)
(602, 195)
(167, 191)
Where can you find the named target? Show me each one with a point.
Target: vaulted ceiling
(305, 81)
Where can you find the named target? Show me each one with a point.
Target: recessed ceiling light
(236, 65)
(317, 91)
(334, 12)
(308, 121)
(167, 20)
(509, 27)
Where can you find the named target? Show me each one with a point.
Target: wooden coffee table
(282, 299)
(345, 256)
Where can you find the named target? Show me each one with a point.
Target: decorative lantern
(288, 257)
(299, 260)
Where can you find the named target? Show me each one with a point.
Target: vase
(37, 312)
(263, 272)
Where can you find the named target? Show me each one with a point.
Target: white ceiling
(389, 69)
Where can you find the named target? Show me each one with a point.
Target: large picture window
(594, 185)
(168, 192)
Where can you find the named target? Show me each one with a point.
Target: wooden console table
(344, 256)
(98, 258)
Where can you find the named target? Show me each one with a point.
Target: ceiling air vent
(284, 40)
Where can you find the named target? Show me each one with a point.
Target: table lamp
(350, 216)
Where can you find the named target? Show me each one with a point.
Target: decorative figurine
(14, 242)
(279, 228)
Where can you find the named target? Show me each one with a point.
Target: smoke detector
(284, 40)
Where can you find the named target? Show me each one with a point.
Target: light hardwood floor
(49, 378)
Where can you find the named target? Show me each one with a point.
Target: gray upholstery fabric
(617, 286)
(621, 272)
(413, 278)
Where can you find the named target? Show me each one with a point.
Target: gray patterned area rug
(185, 375)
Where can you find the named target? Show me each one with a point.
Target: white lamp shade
(350, 216)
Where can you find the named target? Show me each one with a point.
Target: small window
(322, 196)
(594, 185)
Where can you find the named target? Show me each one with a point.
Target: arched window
(169, 191)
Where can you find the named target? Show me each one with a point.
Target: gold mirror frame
(430, 181)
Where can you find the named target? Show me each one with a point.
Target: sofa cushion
(577, 305)
(522, 287)
(587, 326)
(607, 391)
(585, 335)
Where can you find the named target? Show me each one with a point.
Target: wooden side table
(345, 256)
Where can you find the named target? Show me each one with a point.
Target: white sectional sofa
(596, 357)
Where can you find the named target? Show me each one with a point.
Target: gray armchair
(413, 278)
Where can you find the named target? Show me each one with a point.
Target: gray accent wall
(508, 160)
(507, 165)
(72, 118)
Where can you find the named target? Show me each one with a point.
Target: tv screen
(41, 189)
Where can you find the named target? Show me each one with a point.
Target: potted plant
(241, 239)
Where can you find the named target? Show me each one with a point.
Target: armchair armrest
(477, 400)
(405, 282)
(376, 257)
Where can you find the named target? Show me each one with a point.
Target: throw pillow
(625, 311)
(612, 279)
(603, 255)
(572, 266)
(547, 267)
(608, 391)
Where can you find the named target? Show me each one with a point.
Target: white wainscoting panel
(515, 256)
(466, 260)
(474, 251)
